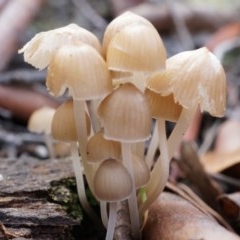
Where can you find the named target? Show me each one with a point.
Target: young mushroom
(112, 184)
(98, 150)
(125, 116)
(40, 122)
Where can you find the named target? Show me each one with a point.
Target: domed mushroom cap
(81, 69)
(99, 148)
(120, 22)
(40, 120)
(125, 115)
(38, 51)
(112, 182)
(141, 172)
(136, 48)
(198, 78)
(63, 123)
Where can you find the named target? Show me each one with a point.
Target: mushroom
(118, 23)
(85, 80)
(163, 108)
(112, 184)
(39, 50)
(196, 79)
(126, 54)
(63, 128)
(98, 150)
(125, 116)
(40, 122)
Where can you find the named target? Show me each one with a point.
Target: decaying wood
(14, 19)
(24, 193)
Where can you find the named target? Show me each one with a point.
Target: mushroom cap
(163, 106)
(63, 123)
(197, 77)
(40, 120)
(136, 48)
(81, 69)
(120, 22)
(141, 172)
(99, 148)
(112, 182)
(38, 51)
(125, 115)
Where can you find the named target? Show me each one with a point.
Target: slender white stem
(152, 148)
(155, 185)
(49, 143)
(104, 214)
(80, 181)
(81, 125)
(132, 200)
(92, 110)
(112, 220)
(160, 172)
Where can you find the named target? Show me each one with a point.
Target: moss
(64, 193)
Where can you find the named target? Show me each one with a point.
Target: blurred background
(183, 25)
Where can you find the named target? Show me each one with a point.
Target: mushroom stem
(112, 220)
(92, 106)
(153, 145)
(104, 215)
(80, 182)
(132, 200)
(156, 185)
(49, 143)
(81, 125)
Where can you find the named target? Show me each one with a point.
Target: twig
(5, 232)
(181, 28)
(93, 17)
(23, 76)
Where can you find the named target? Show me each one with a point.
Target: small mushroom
(112, 183)
(63, 128)
(40, 122)
(125, 116)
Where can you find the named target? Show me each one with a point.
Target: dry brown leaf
(227, 148)
(230, 205)
(173, 218)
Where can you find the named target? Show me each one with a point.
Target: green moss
(65, 194)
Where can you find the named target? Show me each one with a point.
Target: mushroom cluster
(115, 90)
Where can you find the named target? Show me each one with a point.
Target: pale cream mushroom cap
(112, 182)
(40, 120)
(120, 22)
(63, 126)
(198, 78)
(99, 148)
(82, 70)
(38, 51)
(136, 48)
(125, 115)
